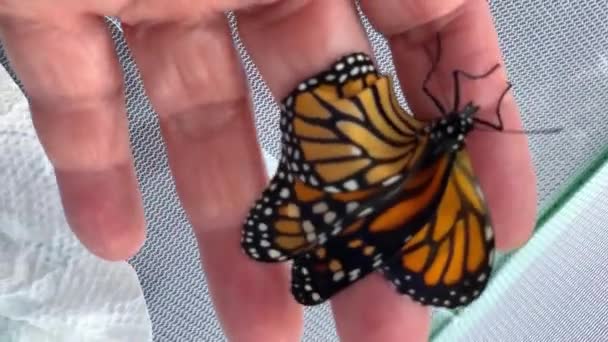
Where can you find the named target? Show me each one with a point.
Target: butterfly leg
(500, 125)
(456, 77)
(425, 89)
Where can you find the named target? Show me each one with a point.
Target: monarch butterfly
(362, 185)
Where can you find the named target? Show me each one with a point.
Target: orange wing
(291, 217)
(343, 130)
(373, 235)
(448, 262)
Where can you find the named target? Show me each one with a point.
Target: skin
(195, 82)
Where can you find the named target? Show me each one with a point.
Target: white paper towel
(271, 163)
(51, 288)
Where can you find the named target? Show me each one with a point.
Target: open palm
(194, 79)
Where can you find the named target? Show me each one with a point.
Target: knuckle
(206, 121)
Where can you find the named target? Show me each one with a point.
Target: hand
(64, 56)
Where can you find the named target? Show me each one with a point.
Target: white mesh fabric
(51, 287)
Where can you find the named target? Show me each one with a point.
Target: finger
(290, 42)
(195, 82)
(381, 313)
(469, 42)
(77, 105)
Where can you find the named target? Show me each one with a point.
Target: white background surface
(51, 288)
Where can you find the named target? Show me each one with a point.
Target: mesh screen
(556, 55)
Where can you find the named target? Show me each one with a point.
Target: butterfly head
(449, 131)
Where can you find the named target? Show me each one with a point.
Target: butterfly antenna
(525, 131)
(491, 127)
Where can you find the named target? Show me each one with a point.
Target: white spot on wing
(489, 232)
(273, 253)
(351, 185)
(313, 181)
(284, 193)
(320, 208)
(391, 180)
(354, 274)
(308, 227)
(332, 189)
(329, 217)
(365, 212)
(310, 237)
(350, 206)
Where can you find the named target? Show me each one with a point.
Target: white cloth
(271, 163)
(51, 288)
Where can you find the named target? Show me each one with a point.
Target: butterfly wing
(448, 262)
(344, 139)
(291, 217)
(374, 235)
(343, 130)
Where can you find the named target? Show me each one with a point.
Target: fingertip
(511, 242)
(372, 310)
(118, 243)
(104, 210)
